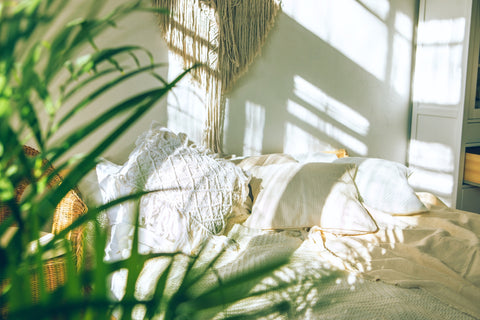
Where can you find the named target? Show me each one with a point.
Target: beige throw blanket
(438, 251)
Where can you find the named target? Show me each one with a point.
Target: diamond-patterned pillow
(197, 191)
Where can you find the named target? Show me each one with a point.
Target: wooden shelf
(471, 184)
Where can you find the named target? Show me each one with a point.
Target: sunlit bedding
(361, 244)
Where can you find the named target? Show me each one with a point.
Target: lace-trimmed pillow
(197, 190)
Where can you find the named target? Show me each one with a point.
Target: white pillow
(111, 188)
(198, 190)
(383, 185)
(249, 162)
(294, 195)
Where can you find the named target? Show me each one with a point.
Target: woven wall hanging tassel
(224, 36)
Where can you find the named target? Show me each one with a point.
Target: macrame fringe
(224, 36)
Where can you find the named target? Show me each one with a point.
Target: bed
(360, 242)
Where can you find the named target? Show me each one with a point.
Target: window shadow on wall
(307, 92)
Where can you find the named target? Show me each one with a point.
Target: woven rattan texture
(68, 210)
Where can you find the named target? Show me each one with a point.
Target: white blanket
(437, 251)
(425, 266)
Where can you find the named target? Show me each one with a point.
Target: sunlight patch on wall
(185, 104)
(438, 32)
(439, 157)
(402, 52)
(254, 128)
(314, 121)
(438, 183)
(380, 7)
(400, 73)
(433, 165)
(298, 141)
(331, 107)
(438, 71)
(404, 25)
(347, 26)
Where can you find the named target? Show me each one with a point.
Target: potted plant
(43, 66)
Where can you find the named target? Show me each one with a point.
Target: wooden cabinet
(470, 199)
(446, 100)
(471, 172)
(474, 66)
(468, 196)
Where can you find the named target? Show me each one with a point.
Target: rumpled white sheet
(437, 251)
(425, 266)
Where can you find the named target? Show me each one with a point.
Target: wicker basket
(68, 210)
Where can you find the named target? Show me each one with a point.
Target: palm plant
(42, 70)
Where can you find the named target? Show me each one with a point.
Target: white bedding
(423, 266)
(417, 267)
(363, 290)
(439, 253)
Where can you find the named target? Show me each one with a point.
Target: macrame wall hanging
(224, 36)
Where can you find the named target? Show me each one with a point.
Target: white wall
(332, 74)
(439, 96)
(139, 28)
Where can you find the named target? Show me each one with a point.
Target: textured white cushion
(383, 185)
(197, 191)
(294, 195)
